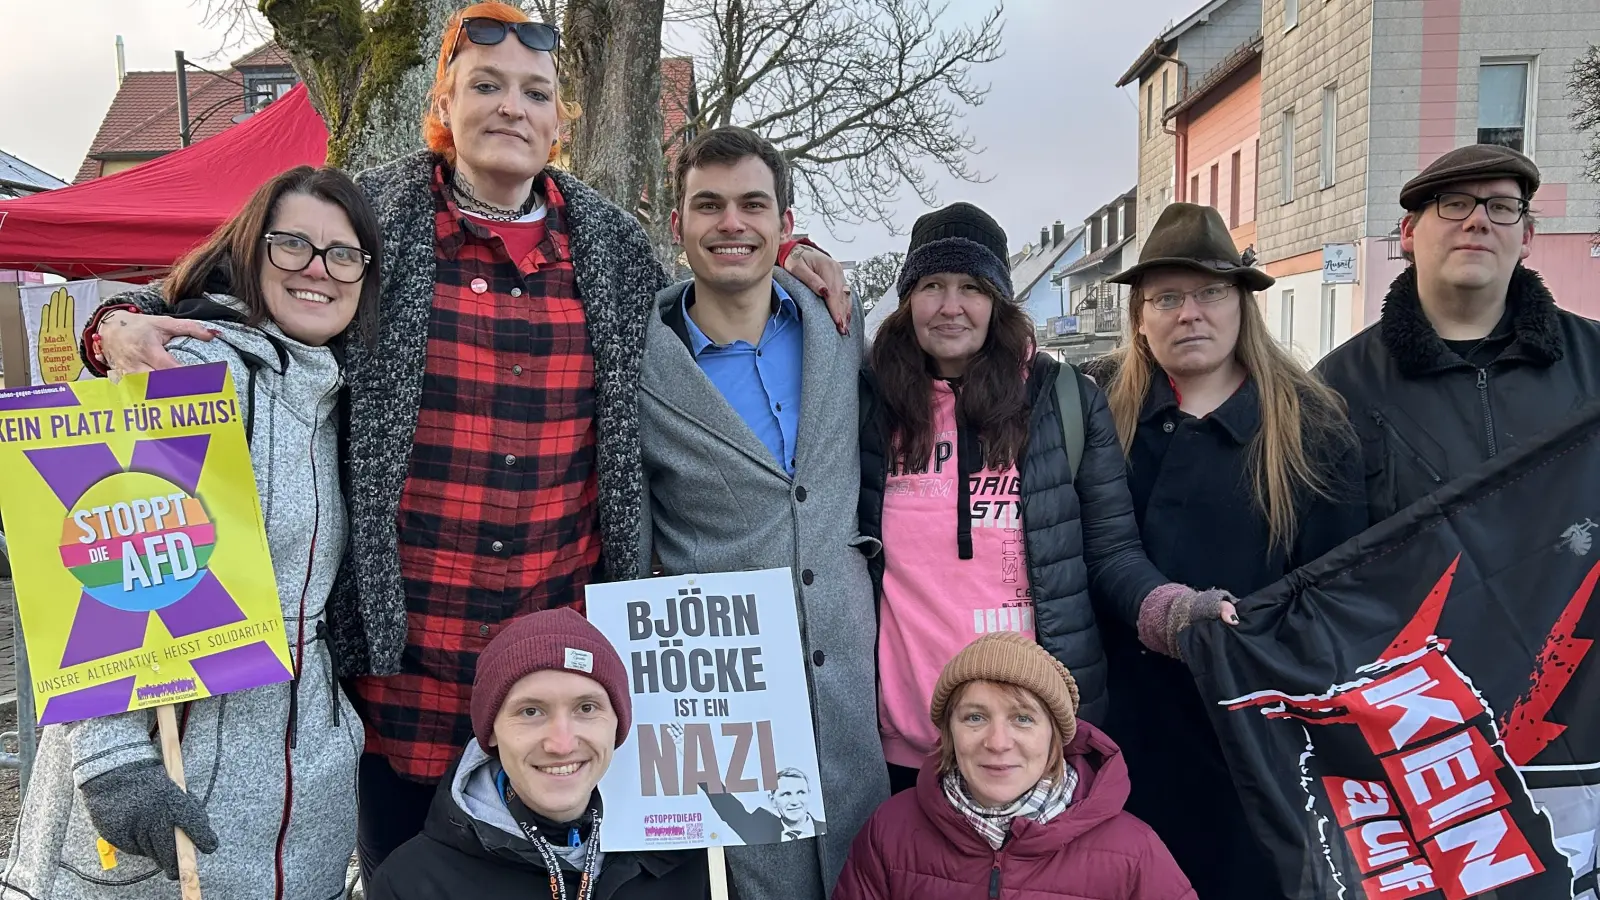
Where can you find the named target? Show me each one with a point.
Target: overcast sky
(1059, 140)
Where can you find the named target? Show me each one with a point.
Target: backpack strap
(1069, 400)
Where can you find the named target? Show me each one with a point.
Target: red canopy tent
(132, 226)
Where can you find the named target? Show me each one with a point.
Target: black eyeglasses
(1460, 207)
(293, 253)
(533, 35)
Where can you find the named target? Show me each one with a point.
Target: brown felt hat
(1474, 162)
(1193, 237)
(1008, 657)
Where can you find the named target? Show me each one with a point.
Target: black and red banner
(1417, 714)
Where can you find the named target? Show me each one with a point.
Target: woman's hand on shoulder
(131, 342)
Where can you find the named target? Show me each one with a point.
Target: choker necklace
(469, 201)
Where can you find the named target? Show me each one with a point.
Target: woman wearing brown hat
(1242, 468)
(993, 477)
(1022, 800)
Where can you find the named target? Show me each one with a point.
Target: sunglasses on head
(533, 35)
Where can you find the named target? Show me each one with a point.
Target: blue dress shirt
(761, 382)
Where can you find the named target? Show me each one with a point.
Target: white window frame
(1330, 136)
(1291, 15)
(1330, 306)
(1286, 317)
(1286, 156)
(1530, 96)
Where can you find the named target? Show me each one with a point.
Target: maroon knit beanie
(552, 639)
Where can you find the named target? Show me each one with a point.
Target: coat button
(816, 658)
(516, 292)
(807, 577)
(483, 630)
(516, 370)
(800, 493)
(497, 546)
(1167, 427)
(510, 460)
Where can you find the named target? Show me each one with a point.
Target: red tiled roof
(268, 54)
(143, 118)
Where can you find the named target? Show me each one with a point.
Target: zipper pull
(994, 882)
(1483, 379)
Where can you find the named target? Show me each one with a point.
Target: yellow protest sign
(138, 551)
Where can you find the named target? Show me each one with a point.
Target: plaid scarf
(1046, 801)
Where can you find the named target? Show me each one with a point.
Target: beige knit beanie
(1008, 657)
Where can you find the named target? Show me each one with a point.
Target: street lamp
(187, 128)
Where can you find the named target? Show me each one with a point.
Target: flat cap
(1474, 162)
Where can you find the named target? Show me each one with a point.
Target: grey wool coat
(719, 502)
(272, 801)
(616, 274)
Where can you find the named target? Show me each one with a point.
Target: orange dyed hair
(434, 132)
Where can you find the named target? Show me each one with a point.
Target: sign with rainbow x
(138, 551)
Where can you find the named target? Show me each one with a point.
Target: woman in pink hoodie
(995, 480)
(1021, 802)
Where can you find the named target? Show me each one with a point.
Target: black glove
(136, 807)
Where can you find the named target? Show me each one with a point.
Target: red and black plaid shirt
(498, 517)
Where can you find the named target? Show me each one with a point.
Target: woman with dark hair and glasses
(271, 770)
(1242, 468)
(993, 477)
(494, 456)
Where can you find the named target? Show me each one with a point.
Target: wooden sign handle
(172, 755)
(717, 863)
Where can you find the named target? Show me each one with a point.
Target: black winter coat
(459, 858)
(1081, 538)
(1426, 415)
(1191, 484)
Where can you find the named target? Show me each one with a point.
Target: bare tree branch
(872, 278)
(1585, 87)
(859, 94)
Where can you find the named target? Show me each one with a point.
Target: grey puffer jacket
(280, 794)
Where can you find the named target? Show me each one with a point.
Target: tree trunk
(368, 72)
(612, 68)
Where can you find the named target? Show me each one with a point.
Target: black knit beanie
(959, 238)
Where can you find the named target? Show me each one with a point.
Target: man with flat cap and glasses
(1471, 354)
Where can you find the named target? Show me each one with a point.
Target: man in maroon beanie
(519, 816)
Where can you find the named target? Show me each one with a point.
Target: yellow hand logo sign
(58, 339)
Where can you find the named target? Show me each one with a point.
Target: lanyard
(552, 863)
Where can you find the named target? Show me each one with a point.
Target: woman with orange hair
(492, 451)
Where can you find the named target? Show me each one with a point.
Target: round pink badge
(479, 285)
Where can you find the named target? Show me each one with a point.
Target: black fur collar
(1417, 348)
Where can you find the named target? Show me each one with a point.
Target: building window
(263, 89)
(1325, 341)
(1233, 192)
(1291, 14)
(1111, 228)
(1122, 220)
(1164, 75)
(1286, 319)
(1216, 168)
(1286, 156)
(1194, 188)
(1255, 183)
(1149, 109)
(1503, 105)
(1330, 134)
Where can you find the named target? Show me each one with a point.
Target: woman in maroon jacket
(1021, 801)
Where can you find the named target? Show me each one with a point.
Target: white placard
(1338, 263)
(715, 666)
(54, 316)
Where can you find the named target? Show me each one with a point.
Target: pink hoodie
(934, 603)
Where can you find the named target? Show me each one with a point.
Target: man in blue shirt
(748, 424)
